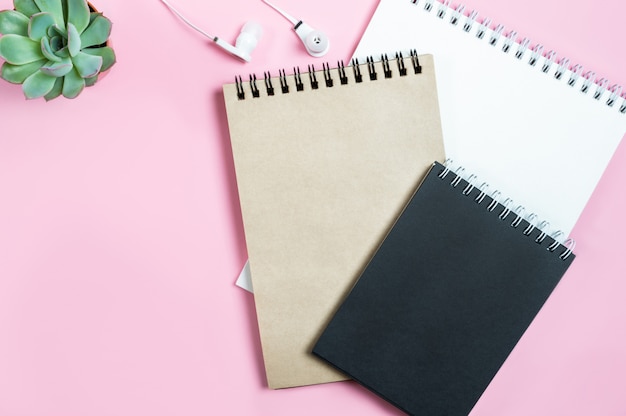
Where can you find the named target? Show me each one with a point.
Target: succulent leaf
(56, 30)
(17, 74)
(91, 81)
(73, 40)
(56, 43)
(78, 14)
(39, 24)
(26, 7)
(13, 23)
(57, 69)
(56, 90)
(93, 15)
(87, 65)
(47, 51)
(107, 54)
(63, 52)
(73, 84)
(37, 85)
(54, 7)
(97, 33)
(19, 50)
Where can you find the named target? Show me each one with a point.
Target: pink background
(121, 236)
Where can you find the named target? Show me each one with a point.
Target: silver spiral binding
(481, 193)
(519, 216)
(505, 210)
(531, 224)
(470, 184)
(494, 201)
(542, 235)
(507, 42)
(458, 178)
(332, 77)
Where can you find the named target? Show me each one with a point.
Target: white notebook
(244, 280)
(520, 127)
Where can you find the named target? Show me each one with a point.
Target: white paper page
(534, 138)
(244, 280)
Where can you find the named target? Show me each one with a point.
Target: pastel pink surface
(121, 232)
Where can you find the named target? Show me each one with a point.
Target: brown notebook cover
(325, 161)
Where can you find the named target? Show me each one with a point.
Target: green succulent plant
(54, 47)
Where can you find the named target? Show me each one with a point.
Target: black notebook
(446, 297)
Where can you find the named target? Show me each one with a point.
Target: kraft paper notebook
(529, 122)
(445, 298)
(325, 161)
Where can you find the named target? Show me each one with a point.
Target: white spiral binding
(507, 42)
(543, 226)
(494, 200)
(519, 212)
(506, 211)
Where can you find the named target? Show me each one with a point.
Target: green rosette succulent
(54, 47)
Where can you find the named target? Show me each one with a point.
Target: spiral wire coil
(505, 209)
(297, 79)
(596, 88)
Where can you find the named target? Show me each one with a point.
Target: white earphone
(244, 45)
(315, 42)
(246, 41)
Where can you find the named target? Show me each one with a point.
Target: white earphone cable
(287, 16)
(196, 28)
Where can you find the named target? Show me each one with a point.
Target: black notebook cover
(444, 300)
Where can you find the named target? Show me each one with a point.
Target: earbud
(246, 41)
(244, 45)
(315, 42)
